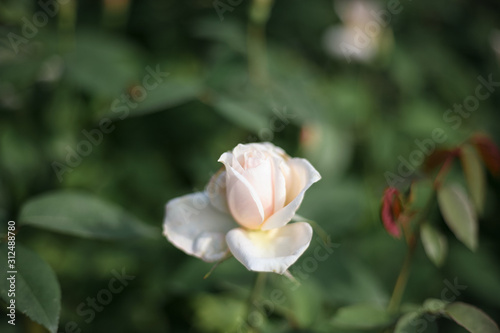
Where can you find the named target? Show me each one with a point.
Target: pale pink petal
(260, 177)
(280, 170)
(226, 158)
(265, 147)
(193, 225)
(270, 251)
(242, 199)
(261, 164)
(302, 176)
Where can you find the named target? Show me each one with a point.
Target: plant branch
(412, 240)
(258, 287)
(402, 280)
(260, 11)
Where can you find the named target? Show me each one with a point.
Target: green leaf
(172, 92)
(471, 318)
(421, 318)
(243, 113)
(407, 323)
(219, 313)
(435, 244)
(361, 316)
(37, 292)
(232, 36)
(420, 193)
(416, 322)
(174, 83)
(103, 65)
(82, 214)
(434, 305)
(459, 214)
(475, 175)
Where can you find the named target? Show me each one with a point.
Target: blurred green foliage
(353, 121)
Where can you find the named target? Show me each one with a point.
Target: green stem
(400, 286)
(228, 255)
(67, 25)
(443, 171)
(258, 288)
(402, 280)
(260, 11)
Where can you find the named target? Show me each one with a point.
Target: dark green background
(351, 120)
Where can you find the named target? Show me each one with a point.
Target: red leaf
(489, 152)
(391, 209)
(436, 159)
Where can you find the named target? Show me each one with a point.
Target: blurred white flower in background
(495, 42)
(52, 69)
(361, 35)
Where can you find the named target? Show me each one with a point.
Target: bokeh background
(240, 71)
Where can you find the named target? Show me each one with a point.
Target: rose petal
(270, 251)
(263, 146)
(243, 201)
(260, 178)
(260, 164)
(274, 150)
(302, 176)
(193, 225)
(281, 171)
(391, 208)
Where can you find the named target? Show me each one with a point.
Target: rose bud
(245, 210)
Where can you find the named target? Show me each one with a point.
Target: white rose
(352, 39)
(245, 209)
